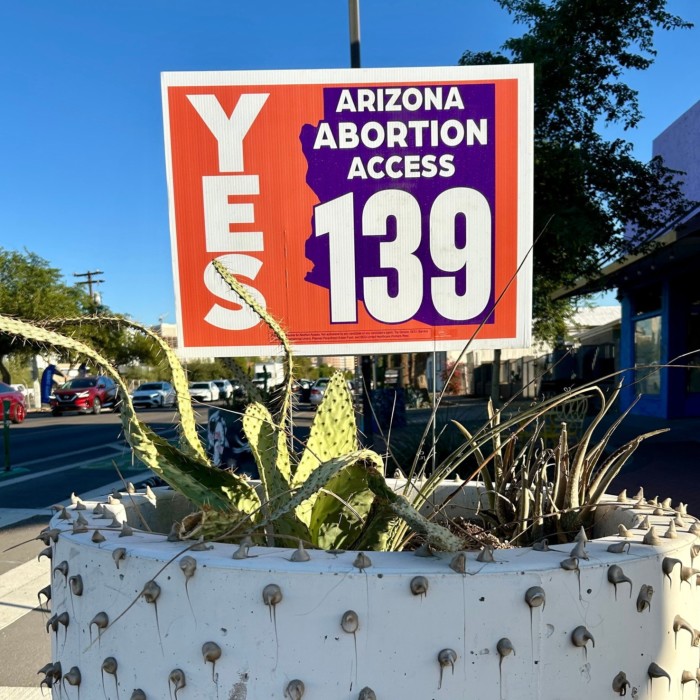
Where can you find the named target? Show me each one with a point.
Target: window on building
(647, 354)
(647, 300)
(692, 373)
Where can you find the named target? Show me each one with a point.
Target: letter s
(233, 319)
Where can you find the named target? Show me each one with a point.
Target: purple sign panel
(405, 177)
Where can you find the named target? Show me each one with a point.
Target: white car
(225, 388)
(153, 395)
(204, 391)
(318, 389)
(27, 393)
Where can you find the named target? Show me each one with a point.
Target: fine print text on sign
(384, 210)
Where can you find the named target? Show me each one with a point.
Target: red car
(86, 395)
(17, 410)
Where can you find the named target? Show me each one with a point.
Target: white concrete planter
(347, 633)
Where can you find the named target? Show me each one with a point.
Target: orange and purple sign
(372, 210)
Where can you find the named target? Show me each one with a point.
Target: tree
(31, 289)
(587, 189)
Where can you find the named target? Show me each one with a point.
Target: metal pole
(354, 22)
(434, 413)
(366, 361)
(6, 432)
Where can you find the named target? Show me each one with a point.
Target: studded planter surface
(135, 616)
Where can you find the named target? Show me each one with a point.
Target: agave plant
(533, 490)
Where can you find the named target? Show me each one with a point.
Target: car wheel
(18, 414)
(96, 406)
(55, 412)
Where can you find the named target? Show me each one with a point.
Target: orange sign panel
(384, 210)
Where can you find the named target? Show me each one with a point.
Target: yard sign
(380, 210)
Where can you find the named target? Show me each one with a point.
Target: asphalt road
(52, 456)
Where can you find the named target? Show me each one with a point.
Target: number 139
(471, 262)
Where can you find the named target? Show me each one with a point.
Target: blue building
(660, 295)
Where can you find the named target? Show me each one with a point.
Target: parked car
(302, 390)
(204, 391)
(153, 395)
(225, 388)
(86, 395)
(318, 389)
(25, 391)
(18, 409)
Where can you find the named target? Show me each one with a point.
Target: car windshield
(4, 388)
(200, 385)
(150, 387)
(80, 383)
(219, 383)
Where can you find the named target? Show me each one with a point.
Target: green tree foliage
(587, 187)
(203, 370)
(31, 289)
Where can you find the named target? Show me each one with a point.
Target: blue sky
(82, 172)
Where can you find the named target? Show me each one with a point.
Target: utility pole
(366, 361)
(90, 281)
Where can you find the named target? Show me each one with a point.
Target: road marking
(110, 445)
(48, 472)
(10, 516)
(18, 590)
(21, 694)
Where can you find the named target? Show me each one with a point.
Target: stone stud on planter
(72, 677)
(620, 547)
(101, 620)
(580, 638)
(644, 598)
(446, 657)
(177, 679)
(620, 683)
(617, 576)
(419, 585)
(350, 622)
(362, 561)
(110, 666)
(211, 652)
(118, 555)
(655, 671)
(459, 563)
(76, 585)
(295, 690)
(300, 554)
